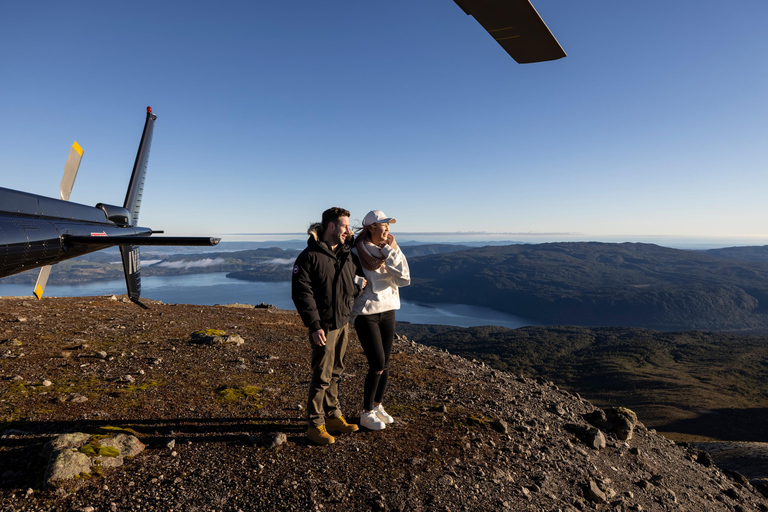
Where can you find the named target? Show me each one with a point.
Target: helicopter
(39, 231)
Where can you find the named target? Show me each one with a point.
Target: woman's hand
(389, 241)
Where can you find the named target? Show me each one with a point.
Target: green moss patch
(145, 386)
(474, 420)
(109, 429)
(94, 449)
(209, 332)
(135, 388)
(402, 410)
(241, 394)
(84, 386)
(109, 451)
(627, 413)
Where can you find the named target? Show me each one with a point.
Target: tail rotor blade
(70, 171)
(65, 189)
(42, 279)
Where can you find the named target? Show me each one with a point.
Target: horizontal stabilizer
(141, 240)
(517, 27)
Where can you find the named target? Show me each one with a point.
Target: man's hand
(365, 282)
(318, 338)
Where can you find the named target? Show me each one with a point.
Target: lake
(216, 288)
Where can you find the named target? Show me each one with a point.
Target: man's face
(338, 231)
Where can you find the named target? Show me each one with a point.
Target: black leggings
(376, 333)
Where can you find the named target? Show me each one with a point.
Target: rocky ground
(466, 437)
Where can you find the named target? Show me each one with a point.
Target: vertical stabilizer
(136, 186)
(130, 253)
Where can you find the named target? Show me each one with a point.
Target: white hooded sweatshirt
(381, 293)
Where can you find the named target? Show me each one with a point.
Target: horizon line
(529, 233)
(523, 233)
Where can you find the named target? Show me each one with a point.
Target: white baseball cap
(377, 217)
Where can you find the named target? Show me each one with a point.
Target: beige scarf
(368, 260)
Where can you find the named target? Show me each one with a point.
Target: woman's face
(379, 232)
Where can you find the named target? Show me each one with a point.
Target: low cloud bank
(207, 262)
(279, 261)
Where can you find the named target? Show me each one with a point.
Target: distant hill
(754, 254)
(279, 269)
(639, 285)
(411, 251)
(588, 284)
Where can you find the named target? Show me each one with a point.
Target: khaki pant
(327, 365)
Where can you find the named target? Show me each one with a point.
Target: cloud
(279, 261)
(207, 262)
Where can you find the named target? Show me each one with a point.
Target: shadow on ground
(749, 425)
(21, 443)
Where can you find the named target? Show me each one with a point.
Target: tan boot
(319, 435)
(340, 425)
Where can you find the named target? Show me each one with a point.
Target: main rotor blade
(42, 279)
(70, 171)
(517, 27)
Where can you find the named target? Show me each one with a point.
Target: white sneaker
(382, 414)
(371, 421)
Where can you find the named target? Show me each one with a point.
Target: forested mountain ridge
(591, 283)
(755, 254)
(568, 283)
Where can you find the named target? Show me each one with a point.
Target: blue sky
(269, 112)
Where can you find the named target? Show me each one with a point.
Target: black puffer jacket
(323, 287)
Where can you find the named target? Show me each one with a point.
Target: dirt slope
(466, 437)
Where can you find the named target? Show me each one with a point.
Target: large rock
(618, 420)
(216, 337)
(79, 455)
(126, 445)
(66, 441)
(66, 465)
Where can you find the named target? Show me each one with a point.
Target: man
(324, 287)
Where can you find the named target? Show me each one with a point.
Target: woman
(373, 313)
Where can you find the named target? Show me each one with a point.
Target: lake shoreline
(214, 288)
